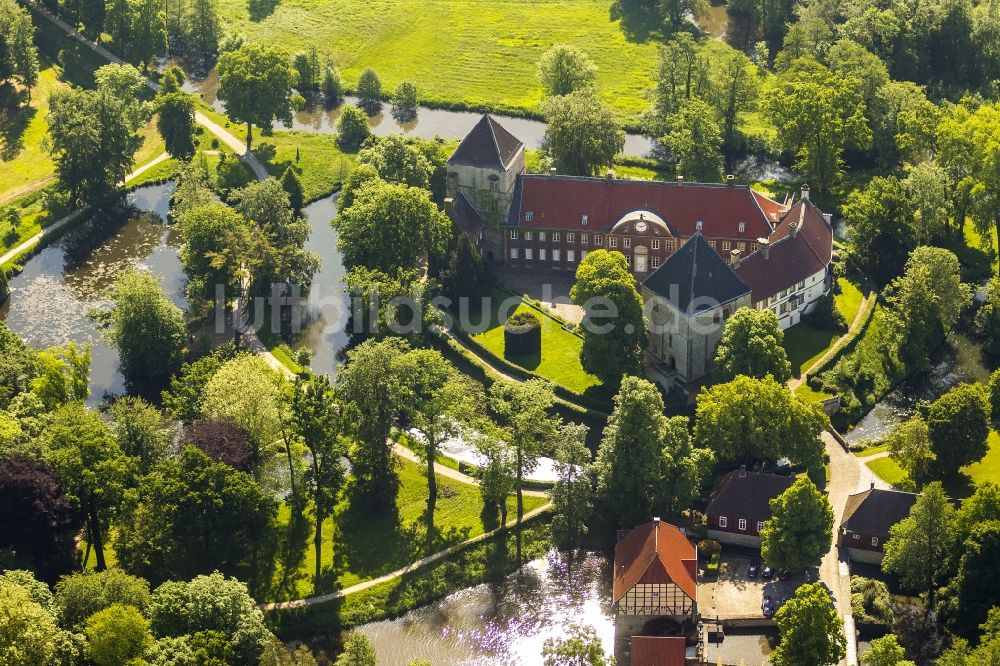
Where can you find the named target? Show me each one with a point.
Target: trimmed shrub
(352, 128)
(522, 335)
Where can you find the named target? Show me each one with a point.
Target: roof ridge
(493, 135)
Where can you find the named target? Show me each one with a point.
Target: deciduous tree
(27, 631)
(881, 222)
(695, 142)
(752, 344)
(175, 123)
(886, 651)
(358, 651)
(582, 135)
(117, 635)
(398, 161)
(750, 419)
(80, 448)
(565, 69)
(919, 545)
(146, 327)
(579, 647)
(572, 493)
(80, 595)
(811, 630)
(800, 530)
(909, 444)
(370, 92)
(255, 84)
(958, 423)
(614, 330)
(352, 128)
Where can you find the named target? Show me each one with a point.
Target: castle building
(699, 251)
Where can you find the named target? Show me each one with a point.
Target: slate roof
(487, 145)
(658, 650)
(560, 202)
(695, 272)
(874, 511)
(466, 217)
(655, 553)
(790, 259)
(747, 496)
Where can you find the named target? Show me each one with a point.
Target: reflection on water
(324, 331)
(504, 623)
(716, 23)
(51, 298)
(428, 124)
(960, 361)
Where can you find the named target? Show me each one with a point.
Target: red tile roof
(658, 650)
(654, 553)
(790, 258)
(560, 202)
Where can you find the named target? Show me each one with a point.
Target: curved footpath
(796, 382)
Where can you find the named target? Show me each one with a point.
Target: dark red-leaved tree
(38, 523)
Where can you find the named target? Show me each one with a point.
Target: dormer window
(743, 227)
(529, 215)
(583, 219)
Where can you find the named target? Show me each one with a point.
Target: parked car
(768, 607)
(753, 570)
(767, 573)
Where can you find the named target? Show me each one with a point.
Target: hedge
(850, 341)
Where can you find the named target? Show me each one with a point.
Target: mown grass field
(359, 546)
(24, 164)
(559, 360)
(805, 344)
(461, 51)
(987, 469)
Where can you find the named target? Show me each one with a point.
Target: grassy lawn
(24, 164)
(887, 470)
(320, 164)
(987, 469)
(465, 52)
(559, 361)
(871, 451)
(809, 394)
(365, 546)
(805, 344)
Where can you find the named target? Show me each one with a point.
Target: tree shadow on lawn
(261, 9)
(294, 540)
(14, 120)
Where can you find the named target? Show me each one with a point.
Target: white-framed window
(726, 245)
(627, 242)
(874, 541)
(613, 241)
(570, 256)
(801, 285)
(570, 237)
(857, 536)
(529, 215)
(628, 260)
(584, 239)
(656, 243)
(723, 521)
(760, 525)
(743, 227)
(555, 255)
(556, 237)
(784, 307)
(654, 262)
(514, 253)
(783, 294)
(598, 239)
(583, 255)
(513, 234)
(541, 236)
(529, 253)
(743, 524)
(711, 244)
(753, 247)
(541, 254)
(527, 235)
(741, 246)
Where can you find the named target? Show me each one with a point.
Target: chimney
(656, 520)
(765, 247)
(449, 205)
(828, 217)
(680, 179)
(743, 471)
(793, 230)
(552, 171)
(697, 226)
(805, 191)
(873, 485)
(609, 178)
(734, 258)
(729, 179)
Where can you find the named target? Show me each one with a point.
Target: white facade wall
(805, 293)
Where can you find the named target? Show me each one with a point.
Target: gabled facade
(740, 505)
(868, 517)
(655, 572)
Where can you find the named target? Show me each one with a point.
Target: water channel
(428, 124)
(506, 623)
(51, 299)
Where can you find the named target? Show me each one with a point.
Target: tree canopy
(752, 344)
(800, 530)
(255, 84)
(582, 135)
